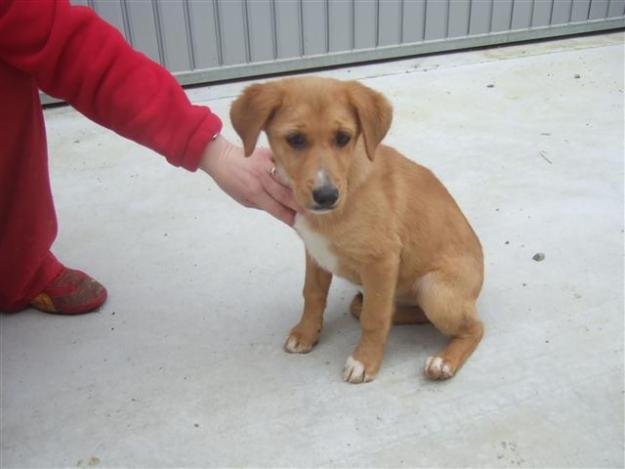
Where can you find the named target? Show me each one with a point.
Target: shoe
(71, 292)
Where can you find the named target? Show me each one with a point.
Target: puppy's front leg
(379, 281)
(306, 333)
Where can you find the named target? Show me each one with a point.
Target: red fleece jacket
(75, 56)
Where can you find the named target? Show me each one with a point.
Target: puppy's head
(319, 130)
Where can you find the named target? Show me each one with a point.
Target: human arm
(75, 56)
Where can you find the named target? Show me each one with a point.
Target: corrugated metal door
(210, 40)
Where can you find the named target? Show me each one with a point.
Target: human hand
(249, 180)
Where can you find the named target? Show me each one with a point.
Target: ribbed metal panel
(208, 40)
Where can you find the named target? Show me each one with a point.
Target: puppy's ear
(374, 113)
(251, 111)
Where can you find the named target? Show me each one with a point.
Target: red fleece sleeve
(77, 57)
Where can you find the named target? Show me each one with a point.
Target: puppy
(371, 216)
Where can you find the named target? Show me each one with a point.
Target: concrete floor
(184, 365)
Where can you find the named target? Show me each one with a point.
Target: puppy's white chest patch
(317, 246)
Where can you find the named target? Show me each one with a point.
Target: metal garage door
(209, 40)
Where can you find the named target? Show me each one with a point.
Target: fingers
(267, 203)
(282, 194)
(273, 196)
(272, 182)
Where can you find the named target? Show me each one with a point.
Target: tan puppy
(371, 216)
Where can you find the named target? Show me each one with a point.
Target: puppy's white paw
(295, 344)
(437, 368)
(354, 371)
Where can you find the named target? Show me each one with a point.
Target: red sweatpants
(27, 217)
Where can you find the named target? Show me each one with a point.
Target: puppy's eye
(342, 138)
(297, 141)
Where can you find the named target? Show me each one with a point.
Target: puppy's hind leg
(355, 308)
(455, 315)
(403, 314)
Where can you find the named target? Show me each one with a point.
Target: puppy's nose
(325, 196)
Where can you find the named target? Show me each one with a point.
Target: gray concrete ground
(184, 365)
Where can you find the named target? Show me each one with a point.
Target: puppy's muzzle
(325, 197)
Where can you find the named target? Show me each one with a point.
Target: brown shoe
(71, 292)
